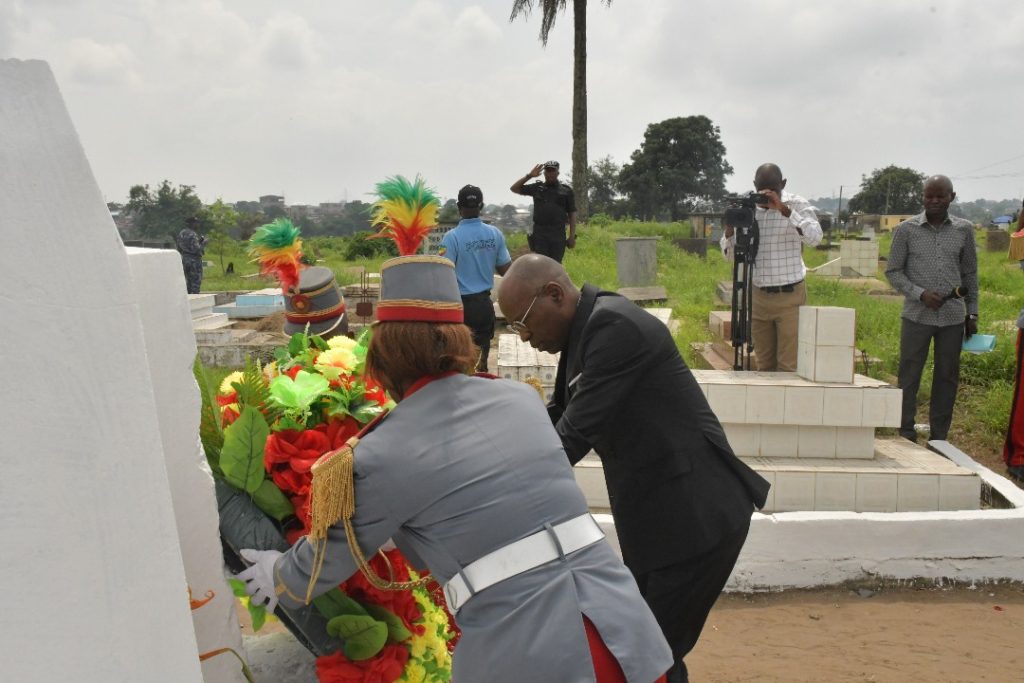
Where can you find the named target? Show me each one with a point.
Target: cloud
(474, 26)
(10, 11)
(94, 63)
(289, 43)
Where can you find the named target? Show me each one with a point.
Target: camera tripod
(744, 256)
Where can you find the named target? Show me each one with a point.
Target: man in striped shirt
(934, 265)
(786, 223)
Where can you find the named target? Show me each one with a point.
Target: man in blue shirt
(478, 250)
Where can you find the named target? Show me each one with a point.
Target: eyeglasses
(519, 326)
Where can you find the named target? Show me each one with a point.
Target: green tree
(219, 244)
(508, 215)
(162, 213)
(549, 12)
(247, 224)
(680, 163)
(449, 213)
(604, 185)
(889, 190)
(221, 217)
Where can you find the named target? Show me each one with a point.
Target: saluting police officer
(554, 205)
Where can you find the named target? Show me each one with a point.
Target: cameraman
(786, 222)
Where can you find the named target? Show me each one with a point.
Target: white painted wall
(808, 549)
(159, 283)
(94, 588)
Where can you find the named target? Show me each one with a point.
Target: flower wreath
(262, 432)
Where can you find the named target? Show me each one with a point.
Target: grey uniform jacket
(460, 468)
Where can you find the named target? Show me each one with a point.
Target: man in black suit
(681, 499)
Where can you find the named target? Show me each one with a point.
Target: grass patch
(979, 422)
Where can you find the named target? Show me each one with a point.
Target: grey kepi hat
(419, 289)
(318, 303)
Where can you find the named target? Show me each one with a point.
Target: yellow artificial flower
(418, 647)
(270, 371)
(333, 362)
(414, 673)
(225, 386)
(341, 342)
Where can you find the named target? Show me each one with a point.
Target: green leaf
(210, 432)
(253, 391)
(319, 342)
(281, 355)
(367, 412)
(334, 603)
(298, 394)
(258, 615)
(364, 636)
(242, 455)
(272, 501)
(297, 344)
(397, 632)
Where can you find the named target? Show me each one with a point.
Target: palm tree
(549, 11)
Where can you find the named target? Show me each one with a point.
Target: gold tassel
(333, 499)
(535, 383)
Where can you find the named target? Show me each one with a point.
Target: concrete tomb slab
(94, 568)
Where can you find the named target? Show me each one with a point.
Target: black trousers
(548, 241)
(915, 339)
(478, 313)
(682, 594)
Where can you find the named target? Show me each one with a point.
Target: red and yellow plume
(405, 212)
(278, 249)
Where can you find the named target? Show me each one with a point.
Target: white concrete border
(807, 549)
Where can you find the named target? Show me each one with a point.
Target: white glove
(259, 578)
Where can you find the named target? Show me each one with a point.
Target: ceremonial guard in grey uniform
(469, 479)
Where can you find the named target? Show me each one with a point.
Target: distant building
(332, 208)
(268, 200)
(888, 222)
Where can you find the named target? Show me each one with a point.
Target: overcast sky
(319, 100)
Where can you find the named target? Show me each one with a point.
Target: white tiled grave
(902, 477)
(786, 398)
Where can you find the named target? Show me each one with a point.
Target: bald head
(533, 271)
(939, 182)
(537, 294)
(769, 177)
(937, 196)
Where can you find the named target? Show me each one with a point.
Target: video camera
(740, 212)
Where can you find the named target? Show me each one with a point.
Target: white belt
(523, 555)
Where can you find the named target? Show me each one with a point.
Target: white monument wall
(94, 587)
(171, 348)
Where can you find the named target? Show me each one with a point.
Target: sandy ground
(892, 634)
(875, 635)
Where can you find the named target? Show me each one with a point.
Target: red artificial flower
(292, 371)
(298, 450)
(228, 415)
(386, 667)
(339, 431)
(290, 481)
(375, 392)
(401, 603)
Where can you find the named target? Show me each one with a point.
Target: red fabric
(386, 313)
(1013, 448)
(385, 667)
(303, 318)
(606, 667)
